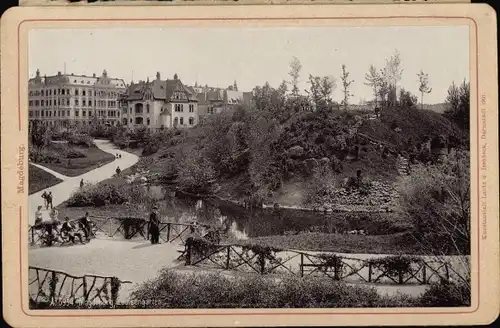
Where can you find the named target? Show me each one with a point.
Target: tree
(458, 104)
(437, 199)
(295, 68)
(407, 99)
(320, 91)
(423, 86)
(373, 80)
(391, 74)
(40, 134)
(346, 84)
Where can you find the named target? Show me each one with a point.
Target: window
(42, 112)
(84, 113)
(77, 112)
(90, 113)
(58, 91)
(67, 113)
(147, 121)
(67, 102)
(30, 114)
(182, 120)
(63, 112)
(31, 103)
(147, 109)
(84, 103)
(130, 120)
(50, 102)
(124, 121)
(138, 120)
(138, 108)
(76, 92)
(62, 91)
(50, 92)
(83, 92)
(191, 121)
(31, 93)
(76, 102)
(191, 108)
(176, 121)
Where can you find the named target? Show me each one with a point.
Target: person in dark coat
(85, 223)
(81, 183)
(154, 226)
(49, 200)
(45, 201)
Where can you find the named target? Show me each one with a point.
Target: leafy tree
(391, 75)
(40, 134)
(437, 199)
(320, 91)
(423, 85)
(407, 99)
(346, 84)
(458, 104)
(373, 80)
(295, 68)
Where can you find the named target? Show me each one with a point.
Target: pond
(245, 223)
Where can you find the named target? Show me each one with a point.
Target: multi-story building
(68, 99)
(159, 104)
(219, 100)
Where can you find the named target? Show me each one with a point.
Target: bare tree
(391, 74)
(373, 81)
(295, 68)
(346, 84)
(423, 86)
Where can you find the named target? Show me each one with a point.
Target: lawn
(397, 243)
(40, 179)
(76, 166)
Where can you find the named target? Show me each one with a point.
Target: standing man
(45, 202)
(118, 170)
(38, 216)
(81, 183)
(154, 225)
(86, 225)
(49, 200)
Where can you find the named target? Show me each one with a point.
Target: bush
(195, 173)
(98, 195)
(177, 290)
(446, 295)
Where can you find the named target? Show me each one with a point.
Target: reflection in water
(241, 223)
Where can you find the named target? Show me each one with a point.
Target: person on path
(154, 226)
(118, 170)
(85, 223)
(49, 200)
(81, 183)
(69, 229)
(45, 202)
(54, 213)
(38, 216)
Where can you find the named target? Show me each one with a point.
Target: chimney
(93, 74)
(37, 72)
(59, 73)
(158, 76)
(176, 77)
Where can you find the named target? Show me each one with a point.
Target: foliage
(346, 84)
(407, 100)
(40, 134)
(98, 195)
(320, 92)
(423, 85)
(295, 68)
(458, 104)
(395, 266)
(446, 295)
(195, 173)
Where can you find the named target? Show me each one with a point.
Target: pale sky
(218, 56)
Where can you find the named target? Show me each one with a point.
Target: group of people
(47, 199)
(69, 230)
(118, 156)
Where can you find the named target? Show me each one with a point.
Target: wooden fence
(385, 270)
(127, 228)
(59, 288)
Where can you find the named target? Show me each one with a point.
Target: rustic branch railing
(387, 270)
(126, 228)
(60, 288)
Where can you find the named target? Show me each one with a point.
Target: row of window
(75, 91)
(180, 108)
(67, 113)
(66, 102)
(177, 121)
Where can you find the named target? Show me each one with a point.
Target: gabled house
(159, 104)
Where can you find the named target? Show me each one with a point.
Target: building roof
(82, 80)
(160, 89)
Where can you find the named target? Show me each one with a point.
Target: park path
(63, 190)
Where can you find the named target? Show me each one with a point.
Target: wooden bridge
(387, 270)
(54, 288)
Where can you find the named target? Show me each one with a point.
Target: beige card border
(484, 157)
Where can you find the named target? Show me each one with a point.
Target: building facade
(159, 104)
(68, 99)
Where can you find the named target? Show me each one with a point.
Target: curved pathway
(63, 190)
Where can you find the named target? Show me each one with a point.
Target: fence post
(228, 257)
(370, 271)
(85, 296)
(32, 236)
(168, 232)
(424, 274)
(52, 286)
(188, 253)
(302, 264)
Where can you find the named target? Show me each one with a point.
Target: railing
(126, 228)
(59, 288)
(386, 270)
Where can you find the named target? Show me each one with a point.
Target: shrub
(446, 295)
(98, 195)
(195, 173)
(75, 153)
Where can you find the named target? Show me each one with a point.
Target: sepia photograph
(178, 168)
